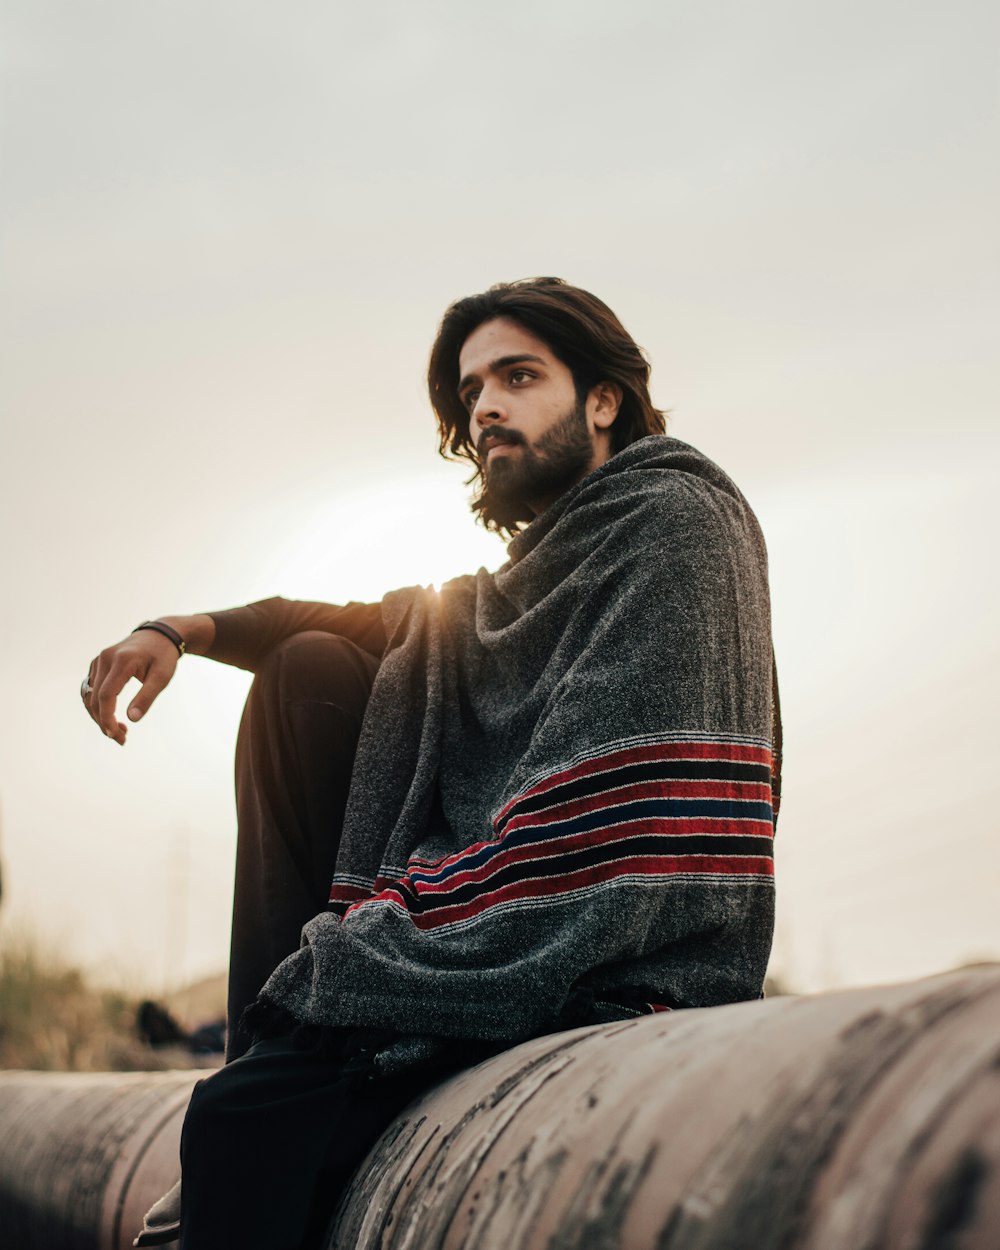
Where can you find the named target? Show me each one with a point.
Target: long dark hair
(580, 330)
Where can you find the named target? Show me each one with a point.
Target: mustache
(494, 436)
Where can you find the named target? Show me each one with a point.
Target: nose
(487, 410)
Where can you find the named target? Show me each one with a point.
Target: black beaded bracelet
(167, 631)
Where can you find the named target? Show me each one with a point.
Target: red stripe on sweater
(668, 788)
(341, 893)
(607, 835)
(719, 791)
(668, 825)
(719, 751)
(598, 874)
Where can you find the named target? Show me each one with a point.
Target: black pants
(271, 1139)
(294, 757)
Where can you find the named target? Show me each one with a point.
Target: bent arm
(244, 636)
(239, 636)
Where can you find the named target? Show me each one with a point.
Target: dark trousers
(294, 757)
(270, 1140)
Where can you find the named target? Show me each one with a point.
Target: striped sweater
(566, 782)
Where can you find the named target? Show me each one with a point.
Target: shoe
(162, 1222)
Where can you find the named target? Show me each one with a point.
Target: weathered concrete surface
(83, 1155)
(865, 1120)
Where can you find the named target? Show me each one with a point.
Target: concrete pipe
(842, 1121)
(849, 1121)
(83, 1155)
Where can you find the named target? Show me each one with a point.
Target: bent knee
(315, 665)
(204, 1101)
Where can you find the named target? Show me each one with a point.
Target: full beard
(517, 484)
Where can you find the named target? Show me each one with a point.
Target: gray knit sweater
(564, 787)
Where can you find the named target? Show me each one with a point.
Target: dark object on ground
(158, 1028)
(209, 1039)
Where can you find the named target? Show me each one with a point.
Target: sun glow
(417, 530)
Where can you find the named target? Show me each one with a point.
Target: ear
(603, 403)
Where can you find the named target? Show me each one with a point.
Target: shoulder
(662, 486)
(455, 598)
(403, 606)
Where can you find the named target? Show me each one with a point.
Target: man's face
(534, 438)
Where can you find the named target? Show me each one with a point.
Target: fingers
(156, 680)
(149, 658)
(108, 682)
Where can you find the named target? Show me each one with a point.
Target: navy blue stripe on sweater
(637, 774)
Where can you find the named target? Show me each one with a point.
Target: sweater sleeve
(244, 636)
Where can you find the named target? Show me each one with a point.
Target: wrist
(198, 631)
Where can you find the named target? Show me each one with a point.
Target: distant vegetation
(53, 1018)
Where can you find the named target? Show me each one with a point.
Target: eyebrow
(501, 362)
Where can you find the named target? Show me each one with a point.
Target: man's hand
(147, 656)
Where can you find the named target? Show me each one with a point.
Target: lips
(489, 442)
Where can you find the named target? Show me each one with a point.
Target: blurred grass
(52, 1018)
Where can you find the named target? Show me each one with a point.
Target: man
(545, 796)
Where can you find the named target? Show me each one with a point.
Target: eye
(469, 399)
(525, 374)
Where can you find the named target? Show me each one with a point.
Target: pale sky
(229, 230)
